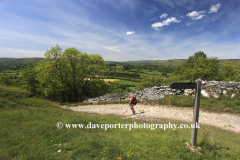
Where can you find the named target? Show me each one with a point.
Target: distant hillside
(19, 60)
(174, 62)
(138, 62)
(232, 60)
(17, 63)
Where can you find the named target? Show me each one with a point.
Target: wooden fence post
(196, 113)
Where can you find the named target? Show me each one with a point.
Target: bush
(5, 80)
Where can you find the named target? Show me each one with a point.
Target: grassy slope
(28, 131)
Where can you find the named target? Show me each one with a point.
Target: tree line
(197, 66)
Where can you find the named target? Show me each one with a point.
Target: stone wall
(215, 88)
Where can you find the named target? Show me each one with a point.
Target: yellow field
(106, 80)
(111, 80)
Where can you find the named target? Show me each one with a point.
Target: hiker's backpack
(134, 101)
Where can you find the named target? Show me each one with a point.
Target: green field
(28, 131)
(127, 82)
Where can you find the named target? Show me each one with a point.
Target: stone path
(224, 121)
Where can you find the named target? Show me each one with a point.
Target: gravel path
(224, 121)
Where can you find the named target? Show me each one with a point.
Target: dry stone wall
(215, 88)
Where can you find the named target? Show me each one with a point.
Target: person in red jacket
(131, 104)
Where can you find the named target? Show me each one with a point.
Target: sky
(121, 30)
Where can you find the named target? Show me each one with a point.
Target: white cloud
(189, 24)
(115, 48)
(158, 29)
(165, 23)
(152, 19)
(214, 8)
(129, 32)
(164, 15)
(196, 15)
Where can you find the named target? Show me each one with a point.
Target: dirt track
(148, 113)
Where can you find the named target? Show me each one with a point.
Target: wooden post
(197, 87)
(196, 113)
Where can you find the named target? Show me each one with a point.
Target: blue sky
(121, 30)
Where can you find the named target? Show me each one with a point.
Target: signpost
(197, 86)
(179, 85)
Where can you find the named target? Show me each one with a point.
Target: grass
(28, 131)
(223, 104)
(13, 92)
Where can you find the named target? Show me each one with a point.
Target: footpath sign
(193, 85)
(179, 85)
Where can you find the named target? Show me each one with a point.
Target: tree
(198, 66)
(151, 81)
(237, 72)
(70, 75)
(228, 71)
(29, 79)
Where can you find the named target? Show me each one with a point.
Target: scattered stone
(188, 144)
(224, 92)
(195, 149)
(204, 93)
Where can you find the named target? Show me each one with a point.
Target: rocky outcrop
(215, 88)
